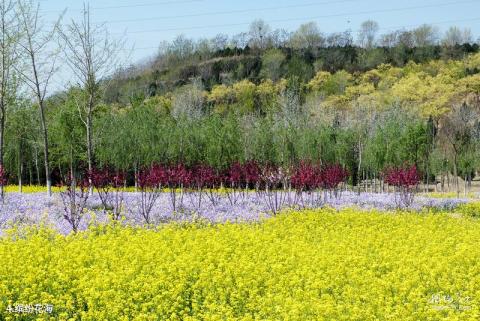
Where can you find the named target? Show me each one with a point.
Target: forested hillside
(261, 54)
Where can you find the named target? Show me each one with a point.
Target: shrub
(308, 178)
(405, 180)
(177, 177)
(74, 198)
(150, 182)
(333, 176)
(109, 186)
(232, 179)
(204, 177)
(273, 187)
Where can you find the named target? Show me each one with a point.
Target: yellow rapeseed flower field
(311, 265)
(31, 189)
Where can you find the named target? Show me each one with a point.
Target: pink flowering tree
(251, 172)
(332, 177)
(307, 180)
(109, 185)
(274, 182)
(204, 180)
(405, 180)
(150, 182)
(117, 180)
(178, 177)
(232, 179)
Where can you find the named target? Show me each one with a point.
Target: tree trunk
(45, 150)
(136, 176)
(37, 170)
(89, 129)
(72, 169)
(20, 167)
(359, 180)
(2, 138)
(428, 182)
(455, 174)
(365, 183)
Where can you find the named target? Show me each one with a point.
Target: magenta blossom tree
(251, 172)
(232, 179)
(307, 178)
(333, 176)
(274, 181)
(109, 185)
(405, 180)
(150, 182)
(177, 178)
(204, 178)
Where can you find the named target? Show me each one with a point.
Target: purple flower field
(33, 209)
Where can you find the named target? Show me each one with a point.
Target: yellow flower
(311, 265)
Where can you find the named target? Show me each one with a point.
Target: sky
(146, 23)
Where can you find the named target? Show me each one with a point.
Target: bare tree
(456, 36)
(307, 36)
(390, 39)
(367, 33)
(280, 37)
(425, 35)
(188, 102)
(220, 41)
(339, 39)
(259, 34)
(9, 37)
(92, 55)
(239, 40)
(41, 57)
(406, 39)
(457, 129)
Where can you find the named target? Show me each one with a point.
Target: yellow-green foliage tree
(221, 97)
(244, 92)
(429, 89)
(245, 97)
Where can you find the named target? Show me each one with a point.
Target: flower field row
(38, 208)
(300, 186)
(310, 265)
(31, 189)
